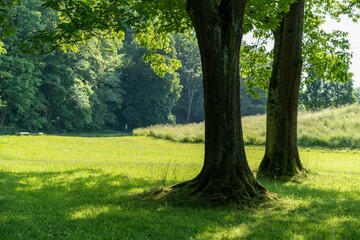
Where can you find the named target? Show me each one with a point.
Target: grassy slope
(85, 188)
(331, 128)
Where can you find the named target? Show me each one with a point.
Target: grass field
(87, 188)
(329, 128)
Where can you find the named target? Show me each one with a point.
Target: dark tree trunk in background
(191, 93)
(225, 176)
(2, 118)
(281, 157)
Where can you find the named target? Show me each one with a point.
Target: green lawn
(87, 188)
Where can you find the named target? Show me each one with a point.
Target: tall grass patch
(329, 128)
(193, 132)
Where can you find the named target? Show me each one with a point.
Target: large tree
(225, 174)
(325, 55)
(218, 24)
(281, 152)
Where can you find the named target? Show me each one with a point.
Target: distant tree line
(321, 94)
(101, 85)
(106, 84)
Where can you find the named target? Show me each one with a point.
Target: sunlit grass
(87, 188)
(330, 128)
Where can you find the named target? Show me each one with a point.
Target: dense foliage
(321, 94)
(149, 99)
(103, 84)
(357, 94)
(60, 91)
(326, 54)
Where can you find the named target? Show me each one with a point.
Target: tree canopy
(326, 55)
(5, 28)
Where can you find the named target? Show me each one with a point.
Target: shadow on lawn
(312, 214)
(90, 204)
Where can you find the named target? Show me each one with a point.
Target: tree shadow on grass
(84, 204)
(305, 212)
(91, 204)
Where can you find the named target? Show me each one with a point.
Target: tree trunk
(225, 176)
(2, 118)
(281, 157)
(191, 93)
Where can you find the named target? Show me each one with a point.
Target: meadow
(329, 128)
(57, 187)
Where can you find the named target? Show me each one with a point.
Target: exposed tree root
(214, 194)
(295, 172)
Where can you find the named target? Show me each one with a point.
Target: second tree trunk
(281, 157)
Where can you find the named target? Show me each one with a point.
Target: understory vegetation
(328, 128)
(88, 188)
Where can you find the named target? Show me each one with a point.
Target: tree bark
(281, 157)
(225, 176)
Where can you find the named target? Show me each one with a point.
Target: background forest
(108, 85)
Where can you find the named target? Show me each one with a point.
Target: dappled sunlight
(338, 221)
(225, 232)
(30, 184)
(91, 211)
(83, 198)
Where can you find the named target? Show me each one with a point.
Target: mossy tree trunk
(281, 157)
(225, 175)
